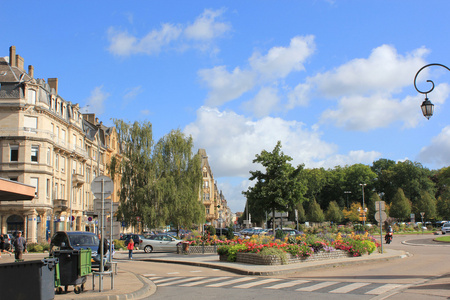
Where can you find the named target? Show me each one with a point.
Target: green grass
(443, 239)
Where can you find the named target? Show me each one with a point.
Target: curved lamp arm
(427, 107)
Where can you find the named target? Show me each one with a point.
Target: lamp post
(347, 192)
(364, 211)
(427, 107)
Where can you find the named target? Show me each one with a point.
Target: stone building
(46, 142)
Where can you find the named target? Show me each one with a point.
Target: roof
(15, 191)
(11, 74)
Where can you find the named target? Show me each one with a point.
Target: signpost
(102, 187)
(380, 216)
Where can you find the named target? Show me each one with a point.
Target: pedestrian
(130, 247)
(20, 246)
(113, 248)
(3, 246)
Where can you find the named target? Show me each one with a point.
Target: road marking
(286, 284)
(317, 286)
(205, 281)
(165, 279)
(237, 280)
(196, 271)
(149, 275)
(180, 281)
(255, 283)
(383, 289)
(173, 273)
(349, 287)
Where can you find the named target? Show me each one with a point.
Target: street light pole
(364, 210)
(427, 107)
(347, 192)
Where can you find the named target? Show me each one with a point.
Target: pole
(381, 226)
(111, 232)
(363, 211)
(102, 239)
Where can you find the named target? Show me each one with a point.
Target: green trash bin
(74, 266)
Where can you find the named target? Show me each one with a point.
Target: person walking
(20, 246)
(130, 247)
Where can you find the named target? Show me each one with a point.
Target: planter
(223, 257)
(258, 259)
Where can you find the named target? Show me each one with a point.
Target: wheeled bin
(74, 266)
(32, 279)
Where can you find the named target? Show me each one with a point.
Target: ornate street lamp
(427, 107)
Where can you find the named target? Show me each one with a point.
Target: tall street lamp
(364, 210)
(427, 107)
(347, 192)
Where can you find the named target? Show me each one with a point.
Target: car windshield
(83, 240)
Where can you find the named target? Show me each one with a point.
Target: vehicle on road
(137, 239)
(160, 242)
(445, 228)
(77, 240)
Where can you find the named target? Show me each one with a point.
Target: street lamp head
(427, 108)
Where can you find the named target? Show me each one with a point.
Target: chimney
(19, 61)
(12, 56)
(53, 83)
(31, 71)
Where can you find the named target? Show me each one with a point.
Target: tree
(371, 209)
(178, 179)
(315, 213)
(400, 206)
(352, 214)
(334, 213)
(279, 188)
(427, 204)
(137, 185)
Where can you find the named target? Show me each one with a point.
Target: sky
(332, 80)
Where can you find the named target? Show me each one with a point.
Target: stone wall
(257, 259)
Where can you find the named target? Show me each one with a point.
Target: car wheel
(443, 232)
(148, 249)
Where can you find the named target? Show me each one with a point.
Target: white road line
(256, 283)
(165, 279)
(181, 281)
(383, 289)
(286, 284)
(204, 281)
(317, 286)
(151, 277)
(196, 271)
(173, 273)
(349, 287)
(237, 280)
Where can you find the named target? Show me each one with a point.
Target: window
(63, 190)
(47, 191)
(34, 153)
(74, 167)
(205, 184)
(14, 154)
(49, 156)
(88, 175)
(30, 124)
(74, 142)
(206, 196)
(63, 136)
(14, 178)
(57, 162)
(207, 211)
(56, 191)
(31, 96)
(63, 164)
(35, 182)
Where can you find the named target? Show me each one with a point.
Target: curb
(240, 271)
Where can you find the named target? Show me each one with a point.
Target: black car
(76, 240)
(137, 239)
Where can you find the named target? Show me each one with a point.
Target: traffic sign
(380, 205)
(380, 216)
(96, 186)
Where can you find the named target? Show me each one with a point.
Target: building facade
(46, 142)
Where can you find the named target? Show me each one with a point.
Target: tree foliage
(334, 213)
(400, 206)
(315, 213)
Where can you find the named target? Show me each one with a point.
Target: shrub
(275, 251)
(119, 244)
(34, 247)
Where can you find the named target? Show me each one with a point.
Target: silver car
(160, 242)
(445, 228)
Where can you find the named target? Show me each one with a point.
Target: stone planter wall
(257, 259)
(197, 249)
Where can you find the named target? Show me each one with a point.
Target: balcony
(77, 179)
(60, 205)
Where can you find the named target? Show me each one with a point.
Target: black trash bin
(33, 279)
(72, 268)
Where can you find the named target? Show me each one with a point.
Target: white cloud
(206, 27)
(225, 86)
(281, 61)
(202, 32)
(265, 102)
(97, 99)
(438, 152)
(133, 92)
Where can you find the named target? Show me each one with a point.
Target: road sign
(96, 186)
(379, 204)
(382, 218)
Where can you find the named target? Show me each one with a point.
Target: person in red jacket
(130, 247)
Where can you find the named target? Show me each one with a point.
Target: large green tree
(400, 206)
(334, 213)
(277, 188)
(178, 179)
(315, 213)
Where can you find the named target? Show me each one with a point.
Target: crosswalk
(300, 285)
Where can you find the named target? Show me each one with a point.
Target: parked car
(137, 239)
(8, 241)
(445, 228)
(76, 240)
(160, 242)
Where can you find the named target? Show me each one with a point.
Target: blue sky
(333, 80)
